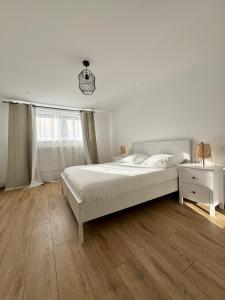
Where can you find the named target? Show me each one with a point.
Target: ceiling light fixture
(86, 80)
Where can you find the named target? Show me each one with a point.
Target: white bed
(97, 190)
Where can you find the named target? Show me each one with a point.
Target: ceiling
(129, 43)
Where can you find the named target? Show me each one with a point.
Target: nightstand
(202, 185)
(117, 158)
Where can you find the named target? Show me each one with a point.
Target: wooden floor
(157, 250)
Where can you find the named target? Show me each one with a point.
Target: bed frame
(88, 211)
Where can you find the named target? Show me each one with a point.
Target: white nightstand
(117, 158)
(202, 185)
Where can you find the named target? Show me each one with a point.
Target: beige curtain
(19, 146)
(89, 137)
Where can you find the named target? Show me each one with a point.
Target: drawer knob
(193, 192)
(193, 177)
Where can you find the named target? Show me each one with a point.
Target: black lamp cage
(86, 80)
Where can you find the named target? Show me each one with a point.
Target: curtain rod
(45, 105)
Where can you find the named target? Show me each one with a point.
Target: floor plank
(41, 263)
(73, 281)
(114, 249)
(139, 282)
(207, 280)
(13, 270)
(24, 225)
(104, 279)
(64, 225)
(10, 212)
(206, 256)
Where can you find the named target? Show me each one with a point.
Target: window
(55, 125)
(59, 141)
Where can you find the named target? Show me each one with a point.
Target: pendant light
(86, 80)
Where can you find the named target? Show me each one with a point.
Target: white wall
(189, 105)
(3, 141)
(102, 127)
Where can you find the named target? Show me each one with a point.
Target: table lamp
(203, 151)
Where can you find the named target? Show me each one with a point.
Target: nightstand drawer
(195, 192)
(197, 177)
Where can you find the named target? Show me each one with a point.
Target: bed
(97, 190)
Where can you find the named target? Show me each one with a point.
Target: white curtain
(59, 141)
(35, 170)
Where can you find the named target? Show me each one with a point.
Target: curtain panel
(89, 136)
(19, 146)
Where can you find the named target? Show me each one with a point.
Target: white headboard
(176, 146)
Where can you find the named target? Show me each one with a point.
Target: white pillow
(134, 158)
(163, 161)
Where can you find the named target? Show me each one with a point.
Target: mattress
(104, 181)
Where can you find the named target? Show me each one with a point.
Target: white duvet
(103, 181)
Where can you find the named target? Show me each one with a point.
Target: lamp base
(203, 162)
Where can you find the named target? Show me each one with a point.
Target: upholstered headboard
(176, 146)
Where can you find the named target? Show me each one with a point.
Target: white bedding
(103, 181)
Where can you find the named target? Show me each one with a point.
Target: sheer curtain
(59, 141)
(35, 171)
